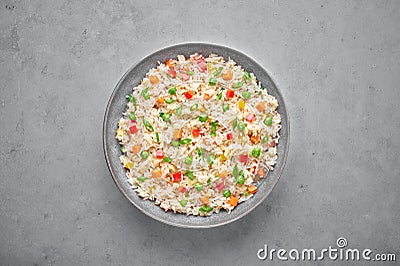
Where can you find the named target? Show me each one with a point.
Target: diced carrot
(272, 144)
(220, 186)
(170, 63)
(177, 134)
(252, 189)
(204, 200)
(207, 97)
(135, 149)
(261, 172)
(255, 139)
(182, 189)
(233, 201)
(196, 132)
(260, 106)
(228, 75)
(160, 100)
(154, 80)
(243, 158)
(156, 173)
(223, 174)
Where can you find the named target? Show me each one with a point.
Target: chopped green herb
(205, 209)
(132, 116)
(183, 203)
(172, 90)
(178, 111)
(235, 123)
(212, 81)
(167, 159)
(203, 118)
(210, 159)
(188, 160)
(122, 149)
(194, 107)
(190, 73)
(166, 117)
(264, 139)
(219, 96)
(235, 171)
(198, 186)
(225, 107)
(268, 121)
(141, 178)
(175, 143)
(218, 72)
(189, 174)
(208, 181)
(200, 152)
(157, 138)
(185, 141)
(168, 101)
(145, 93)
(241, 126)
(147, 125)
(131, 99)
(247, 75)
(238, 85)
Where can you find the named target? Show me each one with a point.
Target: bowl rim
(114, 175)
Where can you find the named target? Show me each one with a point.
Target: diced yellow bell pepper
(241, 104)
(128, 165)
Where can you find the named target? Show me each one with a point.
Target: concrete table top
(336, 62)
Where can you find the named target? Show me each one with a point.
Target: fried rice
(198, 135)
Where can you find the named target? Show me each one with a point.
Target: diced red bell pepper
(177, 176)
(220, 186)
(229, 136)
(243, 158)
(230, 94)
(250, 117)
(133, 129)
(189, 94)
(172, 73)
(159, 154)
(196, 132)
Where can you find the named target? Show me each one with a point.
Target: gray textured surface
(337, 63)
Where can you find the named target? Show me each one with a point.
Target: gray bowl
(117, 105)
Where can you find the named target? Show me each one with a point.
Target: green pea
(131, 99)
(245, 193)
(198, 186)
(225, 107)
(167, 159)
(256, 152)
(205, 209)
(264, 139)
(188, 160)
(172, 90)
(185, 141)
(241, 126)
(132, 116)
(145, 154)
(203, 118)
(238, 85)
(227, 193)
(212, 81)
(246, 95)
(141, 178)
(247, 75)
(183, 203)
(190, 73)
(168, 101)
(178, 111)
(210, 159)
(189, 174)
(268, 121)
(175, 143)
